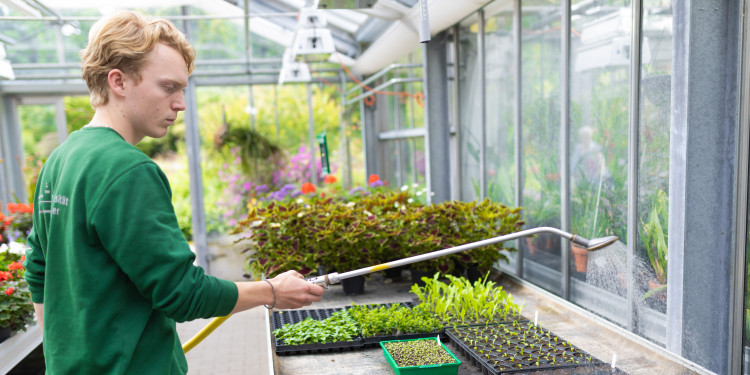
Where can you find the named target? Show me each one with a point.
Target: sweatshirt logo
(51, 203)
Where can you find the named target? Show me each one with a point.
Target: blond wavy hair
(123, 41)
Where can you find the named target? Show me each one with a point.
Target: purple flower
(358, 189)
(376, 184)
(246, 186)
(261, 188)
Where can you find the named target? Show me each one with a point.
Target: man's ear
(116, 81)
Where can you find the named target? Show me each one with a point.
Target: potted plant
(420, 356)
(16, 309)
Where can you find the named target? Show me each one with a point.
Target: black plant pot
(354, 285)
(393, 273)
(416, 276)
(473, 273)
(4, 333)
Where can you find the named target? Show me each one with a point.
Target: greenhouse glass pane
(540, 87)
(600, 96)
(470, 111)
(404, 165)
(653, 156)
(499, 101)
(499, 104)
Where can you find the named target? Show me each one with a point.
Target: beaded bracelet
(274, 295)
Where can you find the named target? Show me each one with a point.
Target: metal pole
(311, 136)
(193, 147)
(565, 147)
(483, 116)
(517, 122)
(346, 173)
(633, 143)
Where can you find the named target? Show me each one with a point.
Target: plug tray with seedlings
(521, 347)
(396, 321)
(314, 331)
(420, 356)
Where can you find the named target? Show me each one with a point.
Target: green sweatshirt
(110, 264)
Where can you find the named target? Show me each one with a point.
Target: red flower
(15, 266)
(9, 291)
(308, 188)
(373, 178)
(330, 179)
(1, 238)
(4, 276)
(23, 258)
(20, 207)
(2, 216)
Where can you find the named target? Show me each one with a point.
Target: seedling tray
(441, 369)
(513, 352)
(279, 318)
(373, 341)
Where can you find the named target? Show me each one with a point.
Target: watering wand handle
(325, 280)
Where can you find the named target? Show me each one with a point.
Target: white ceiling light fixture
(312, 40)
(293, 71)
(6, 70)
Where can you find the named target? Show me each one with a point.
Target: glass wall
(540, 93)
(625, 284)
(499, 103)
(470, 110)
(650, 268)
(599, 115)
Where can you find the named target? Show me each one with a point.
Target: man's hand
(293, 292)
(290, 289)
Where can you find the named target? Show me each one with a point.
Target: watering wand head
(594, 244)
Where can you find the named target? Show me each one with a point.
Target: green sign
(324, 152)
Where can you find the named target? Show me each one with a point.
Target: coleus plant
(373, 229)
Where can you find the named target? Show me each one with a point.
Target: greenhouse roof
(42, 38)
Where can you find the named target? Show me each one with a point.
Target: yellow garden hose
(207, 330)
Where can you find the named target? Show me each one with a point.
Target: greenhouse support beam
(12, 151)
(741, 212)
(633, 161)
(436, 117)
(369, 137)
(565, 202)
(193, 147)
(702, 159)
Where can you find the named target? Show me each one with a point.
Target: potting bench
(581, 328)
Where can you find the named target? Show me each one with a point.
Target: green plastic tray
(442, 369)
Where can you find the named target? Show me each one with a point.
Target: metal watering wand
(590, 245)
(334, 277)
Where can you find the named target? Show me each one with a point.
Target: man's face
(152, 104)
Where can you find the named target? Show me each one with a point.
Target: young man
(109, 269)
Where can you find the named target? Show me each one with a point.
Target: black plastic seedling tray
(374, 341)
(512, 353)
(279, 318)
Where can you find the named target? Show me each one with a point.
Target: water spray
(590, 245)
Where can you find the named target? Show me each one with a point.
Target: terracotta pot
(581, 256)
